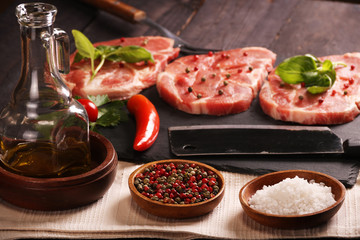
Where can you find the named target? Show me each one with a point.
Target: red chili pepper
(147, 121)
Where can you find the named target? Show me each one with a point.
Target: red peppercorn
(333, 93)
(159, 195)
(351, 81)
(122, 39)
(182, 195)
(205, 180)
(352, 68)
(245, 54)
(239, 70)
(204, 186)
(196, 57)
(196, 68)
(212, 182)
(321, 100)
(210, 53)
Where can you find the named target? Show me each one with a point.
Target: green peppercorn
(301, 97)
(190, 89)
(226, 83)
(228, 75)
(137, 181)
(187, 70)
(203, 79)
(221, 92)
(199, 95)
(140, 188)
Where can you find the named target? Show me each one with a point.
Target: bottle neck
(34, 54)
(40, 78)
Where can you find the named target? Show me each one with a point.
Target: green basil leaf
(327, 65)
(293, 70)
(131, 54)
(317, 89)
(83, 44)
(317, 76)
(106, 50)
(321, 80)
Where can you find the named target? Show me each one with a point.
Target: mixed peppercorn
(177, 183)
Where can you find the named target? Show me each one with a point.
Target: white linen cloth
(116, 215)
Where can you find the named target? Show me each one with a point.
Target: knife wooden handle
(119, 9)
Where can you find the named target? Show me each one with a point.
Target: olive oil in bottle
(43, 131)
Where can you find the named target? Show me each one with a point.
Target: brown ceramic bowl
(177, 211)
(63, 193)
(292, 221)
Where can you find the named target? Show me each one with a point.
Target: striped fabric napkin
(116, 215)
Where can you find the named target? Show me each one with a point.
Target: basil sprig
(317, 76)
(129, 54)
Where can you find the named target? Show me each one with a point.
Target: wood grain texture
(319, 28)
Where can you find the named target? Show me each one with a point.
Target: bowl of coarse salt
(292, 199)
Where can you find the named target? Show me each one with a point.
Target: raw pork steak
(217, 83)
(122, 80)
(293, 103)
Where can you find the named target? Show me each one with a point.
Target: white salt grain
(292, 196)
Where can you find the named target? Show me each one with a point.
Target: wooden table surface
(287, 27)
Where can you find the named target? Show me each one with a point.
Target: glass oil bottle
(43, 131)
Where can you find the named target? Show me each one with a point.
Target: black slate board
(344, 169)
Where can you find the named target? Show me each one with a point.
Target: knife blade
(202, 140)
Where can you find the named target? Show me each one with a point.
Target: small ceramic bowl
(48, 194)
(178, 211)
(292, 221)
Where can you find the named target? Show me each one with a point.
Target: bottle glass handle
(62, 44)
